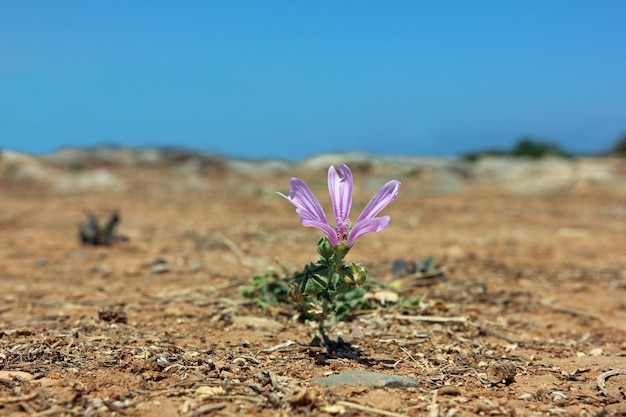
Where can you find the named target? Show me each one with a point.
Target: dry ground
(534, 293)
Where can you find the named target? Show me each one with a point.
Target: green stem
(328, 306)
(322, 320)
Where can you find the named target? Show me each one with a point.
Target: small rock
(102, 269)
(41, 262)
(195, 266)
(502, 372)
(207, 391)
(160, 266)
(401, 268)
(113, 314)
(596, 352)
(367, 378)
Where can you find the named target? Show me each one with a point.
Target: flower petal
(307, 205)
(309, 209)
(367, 226)
(383, 197)
(340, 190)
(324, 227)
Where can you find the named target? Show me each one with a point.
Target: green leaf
(314, 284)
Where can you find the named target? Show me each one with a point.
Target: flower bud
(324, 248)
(355, 274)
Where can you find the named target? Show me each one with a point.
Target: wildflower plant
(318, 287)
(91, 233)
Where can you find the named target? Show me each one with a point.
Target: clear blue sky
(293, 79)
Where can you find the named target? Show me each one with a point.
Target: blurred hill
(119, 168)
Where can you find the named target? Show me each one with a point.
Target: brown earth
(530, 310)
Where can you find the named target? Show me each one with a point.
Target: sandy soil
(527, 318)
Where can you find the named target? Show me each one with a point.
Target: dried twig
(56, 410)
(232, 246)
(279, 347)
(27, 397)
(275, 383)
(474, 372)
(406, 352)
(238, 397)
(601, 380)
(369, 409)
(431, 319)
(510, 339)
(244, 260)
(568, 310)
(433, 407)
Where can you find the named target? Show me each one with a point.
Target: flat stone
(367, 378)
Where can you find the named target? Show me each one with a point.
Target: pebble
(400, 267)
(367, 378)
(160, 266)
(41, 262)
(100, 269)
(195, 266)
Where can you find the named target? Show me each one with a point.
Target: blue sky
(292, 79)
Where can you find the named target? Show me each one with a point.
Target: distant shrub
(619, 148)
(525, 147)
(536, 149)
(77, 166)
(475, 156)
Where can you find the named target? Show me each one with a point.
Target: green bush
(619, 148)
(524, 148)
(528, 147)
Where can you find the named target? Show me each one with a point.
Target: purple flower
(340, 189)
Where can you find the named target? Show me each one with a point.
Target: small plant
(91, 233)
(272, 288)
(267, 290)
(329, 289)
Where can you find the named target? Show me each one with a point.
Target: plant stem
(327, 304)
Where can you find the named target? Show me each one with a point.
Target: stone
(41, 262)
(367, 378)
(400, 268)
(161, 266)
